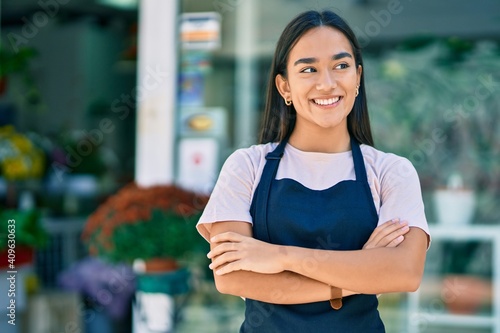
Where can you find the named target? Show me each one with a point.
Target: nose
(326, 81)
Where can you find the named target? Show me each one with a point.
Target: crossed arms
(392, 260)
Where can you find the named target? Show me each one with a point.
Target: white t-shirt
(393, 182)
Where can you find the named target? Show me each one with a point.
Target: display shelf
(64, 248)
(418, 319)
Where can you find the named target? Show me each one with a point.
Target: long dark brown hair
(279, 119)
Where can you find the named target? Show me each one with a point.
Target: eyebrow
(313, 60)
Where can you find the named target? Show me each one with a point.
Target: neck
(321, 140)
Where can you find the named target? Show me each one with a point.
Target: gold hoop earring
(357, 91)
(288, 103)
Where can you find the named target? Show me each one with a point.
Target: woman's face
(322, 79)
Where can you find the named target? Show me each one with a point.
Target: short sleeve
(401, 195)
(231, 197)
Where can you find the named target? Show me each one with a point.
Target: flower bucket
(154, 308)
(153, 313)
(171, 283)
(454, 207)
(466, 294)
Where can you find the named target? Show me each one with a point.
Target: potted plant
(455, 204)
(22, 164)
(159, 221)
(153, 229)
(466, 286)
(17, 62)
(22, 233)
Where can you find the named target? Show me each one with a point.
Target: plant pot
(158, 281)
(23, 255)
(466, 294)
(454, 207)
(160, 265)
(3, 85)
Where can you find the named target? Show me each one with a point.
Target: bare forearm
(349, 269)
(371, 271)
(280, 288)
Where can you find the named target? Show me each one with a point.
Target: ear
(283, 87)
(359, 71)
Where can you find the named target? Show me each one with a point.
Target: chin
(328, 126)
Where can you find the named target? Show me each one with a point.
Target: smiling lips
(327, 102)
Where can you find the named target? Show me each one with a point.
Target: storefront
(231, 74)
(162, 91)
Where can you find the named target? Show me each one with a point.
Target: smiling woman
(322, 88)
(313, 222)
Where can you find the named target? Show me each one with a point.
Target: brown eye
(308, 70)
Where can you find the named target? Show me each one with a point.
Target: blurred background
(116, 116)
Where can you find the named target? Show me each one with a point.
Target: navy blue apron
(341, 217)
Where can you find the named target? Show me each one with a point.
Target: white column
(245, 101)
(156, 92)
(496, 283)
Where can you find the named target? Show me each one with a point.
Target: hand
(236, 252)
(388, 234)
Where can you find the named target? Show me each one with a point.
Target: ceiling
(469, 19)
(13, 11)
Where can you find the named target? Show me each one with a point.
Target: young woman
(297, 224)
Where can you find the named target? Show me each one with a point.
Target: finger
(386, 228)
(396, 242)
(222, 248)
(223, 259)
(231, 267)
(388, 234)
(226, 237)
(388, 223)
(395, 228)
(393, 236)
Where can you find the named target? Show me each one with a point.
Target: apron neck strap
(264, 188)
(277, 153)
(359, 163)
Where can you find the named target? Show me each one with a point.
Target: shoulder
(387, 165)
(252, 156)
(246, 164)
(256, 151)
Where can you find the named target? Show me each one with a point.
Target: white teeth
(327, 101)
